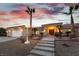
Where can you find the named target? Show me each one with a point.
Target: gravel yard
(13, 47)
(67, 47)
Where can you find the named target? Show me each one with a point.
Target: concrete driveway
(4, 39)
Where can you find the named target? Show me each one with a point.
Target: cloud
(16, 11)
(19, 13)
(2, 13)
(42, 10)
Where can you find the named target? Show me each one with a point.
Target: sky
(13, 14)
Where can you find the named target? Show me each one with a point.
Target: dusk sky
(12, 14)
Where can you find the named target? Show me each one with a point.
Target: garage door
(16, 33)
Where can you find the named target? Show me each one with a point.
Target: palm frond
(66, 13)
(28, 8)
(71, 9)
(77, 7)
(33, 10)
(27, 11)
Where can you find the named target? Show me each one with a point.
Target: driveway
(4, 39)
(10, 46)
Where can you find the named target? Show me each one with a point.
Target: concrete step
(46, 42)
(48, 38)
(34, 54)
(44, 48)
(48, 45)
(43, 53)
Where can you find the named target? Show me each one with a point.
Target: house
(54, 27)
(67, 27)
(16, 31)
(51, 28)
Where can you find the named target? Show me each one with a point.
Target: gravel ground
(16, 48)
(66, 47)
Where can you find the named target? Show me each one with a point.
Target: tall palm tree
(71, 8)
(30, 11)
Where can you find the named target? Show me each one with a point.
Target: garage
(15, 31)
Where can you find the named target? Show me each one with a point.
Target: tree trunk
(31, 25)
(72, 26)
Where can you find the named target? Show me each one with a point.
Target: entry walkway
(45, 47)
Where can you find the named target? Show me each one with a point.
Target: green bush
(3, 32)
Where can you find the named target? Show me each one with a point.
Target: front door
(51, 31)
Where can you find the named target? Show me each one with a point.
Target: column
(27, 39)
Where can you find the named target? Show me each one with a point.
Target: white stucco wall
(16, 33)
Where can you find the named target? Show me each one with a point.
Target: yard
(67, 47)
(13, 47)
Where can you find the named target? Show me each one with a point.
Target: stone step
(44, 48)
(31, 55)
(50, 45)
(47, 38)
(46, 42)
(43, 53)
(34, 54)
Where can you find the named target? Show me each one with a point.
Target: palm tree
(71, 8)
(30, 11)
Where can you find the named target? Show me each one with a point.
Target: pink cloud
(4, 20)
(41, 13)
(19, 13)
(2, 13)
